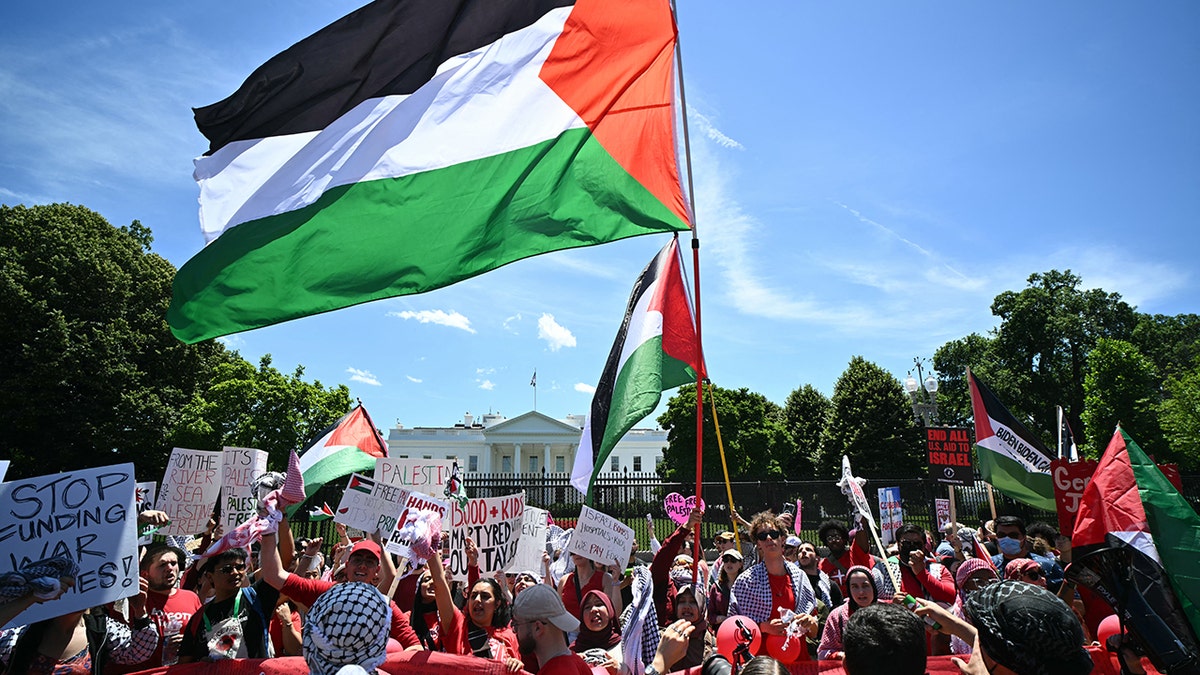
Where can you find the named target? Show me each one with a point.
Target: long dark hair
(503, 612)
(417, 618)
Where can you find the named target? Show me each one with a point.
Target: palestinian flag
(416, 143)
(655, 350)
(351, 445)
(319, 514)
(1136, 542)
(1009, 456)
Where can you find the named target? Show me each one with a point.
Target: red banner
(1071, 478)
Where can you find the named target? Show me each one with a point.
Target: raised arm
(272, 567)
(441, 590)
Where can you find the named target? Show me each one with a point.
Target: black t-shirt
(254, 611)
(835, 593)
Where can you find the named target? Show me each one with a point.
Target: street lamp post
(924, 410)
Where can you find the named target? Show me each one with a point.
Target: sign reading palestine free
(949, 454)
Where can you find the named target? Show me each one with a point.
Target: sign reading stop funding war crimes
(601, 538)
(533, 542)
(891, 514)
(88, 516)
(494, 523)
(419, 475)
(239, 468)
(949, 451)
(189, 490)
(369, 505)
(143, 499)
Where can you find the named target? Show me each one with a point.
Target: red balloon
(783, 650)
(728, 635)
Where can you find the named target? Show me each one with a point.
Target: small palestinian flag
(360, 484)
(319, 514)
(1136, 543)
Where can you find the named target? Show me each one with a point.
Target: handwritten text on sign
(891, 514)
(494, 523)
(422, 475)
(601, 538)
(87, 515)
(239, 468)
(369, 505)
(398, 541)
(532, 544)
(189, 490)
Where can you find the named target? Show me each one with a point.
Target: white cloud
(705, 126)
(364, 376)
(508, 323)
(232, 341)
(584, 388)
(451, 319)
(484, 371)
(486, 385)
(556, 336)
(414, 380)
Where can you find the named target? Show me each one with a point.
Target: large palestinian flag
(656, 349)
(1136, 543)
(351, 445)
(1009, 456)
(416, 143)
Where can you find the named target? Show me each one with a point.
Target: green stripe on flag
(1015, 480)
(345, 461)
(401, 236)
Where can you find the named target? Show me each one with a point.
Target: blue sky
(868, 177)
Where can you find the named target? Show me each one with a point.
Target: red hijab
(605, 638)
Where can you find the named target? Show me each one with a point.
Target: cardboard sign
(88, 515)
(494, 523)
(369, 505)
(534, 526)
(419, 475)
(189, 490)
(678, 508)
(601, 538)
(942, 508)
(891, 514)
(239, 468)
(397, 541)
(143, 499)
(948, 450)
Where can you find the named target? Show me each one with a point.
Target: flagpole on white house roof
(687, 154)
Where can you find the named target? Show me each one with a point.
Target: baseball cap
(792, 540)
(727, 536)
(368, 546)
(732, 553)
(543, 603)
(683, 558)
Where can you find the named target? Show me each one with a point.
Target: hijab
(605, 638)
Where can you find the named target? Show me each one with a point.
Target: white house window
(614, 464)
(637, 464)
(473, 463)
(560, 464)
(533, 464)
(506, 464)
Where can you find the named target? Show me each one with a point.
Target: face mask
(1009, 546)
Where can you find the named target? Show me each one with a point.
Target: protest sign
(799, 511)
(533, 542)
(397, 541)
(87, 515)
(601, 538)
(891, 514)
(948, 450)
(369, 505)
(494, 523)
(420, 475)
(189, 490)
(143, 499)
(942, 508)
(679, 509)
(239, 468)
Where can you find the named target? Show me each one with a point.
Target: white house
(527, 443)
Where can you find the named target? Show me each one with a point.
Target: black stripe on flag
(387, 47)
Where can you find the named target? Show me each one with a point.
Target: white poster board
(494, 523)
(532, 545)
(143, 499)
(397, 543)
(369, 505)
(189, 491)
(891, 514)
(942, 508)
(88, 515)
(239, 468)
(419, 475)
(601, 538)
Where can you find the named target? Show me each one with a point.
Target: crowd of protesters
(840, 601)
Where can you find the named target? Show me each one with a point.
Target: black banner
(949, 454)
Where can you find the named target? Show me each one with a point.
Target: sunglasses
(1010, 535)
(768, 534)
(730, 560)
(231, 568)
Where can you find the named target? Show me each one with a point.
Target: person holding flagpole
(772, 586)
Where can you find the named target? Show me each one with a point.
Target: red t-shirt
(162, 608)
(571, 599)
(502, 641)
(566, 664)
(783, 596)
(276, 631)
(854, 555)
(306, 591)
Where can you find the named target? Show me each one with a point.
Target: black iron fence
(630, 497)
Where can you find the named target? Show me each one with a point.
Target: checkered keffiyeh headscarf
(347, 625)
(1028, 629)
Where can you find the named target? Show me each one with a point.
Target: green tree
(871, 422)
(259, 408)
(1180, 417)
(1172, 343)
(805, 414)
(756, 442)
(1042, 344)
(1120, 386)
(89, 372)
